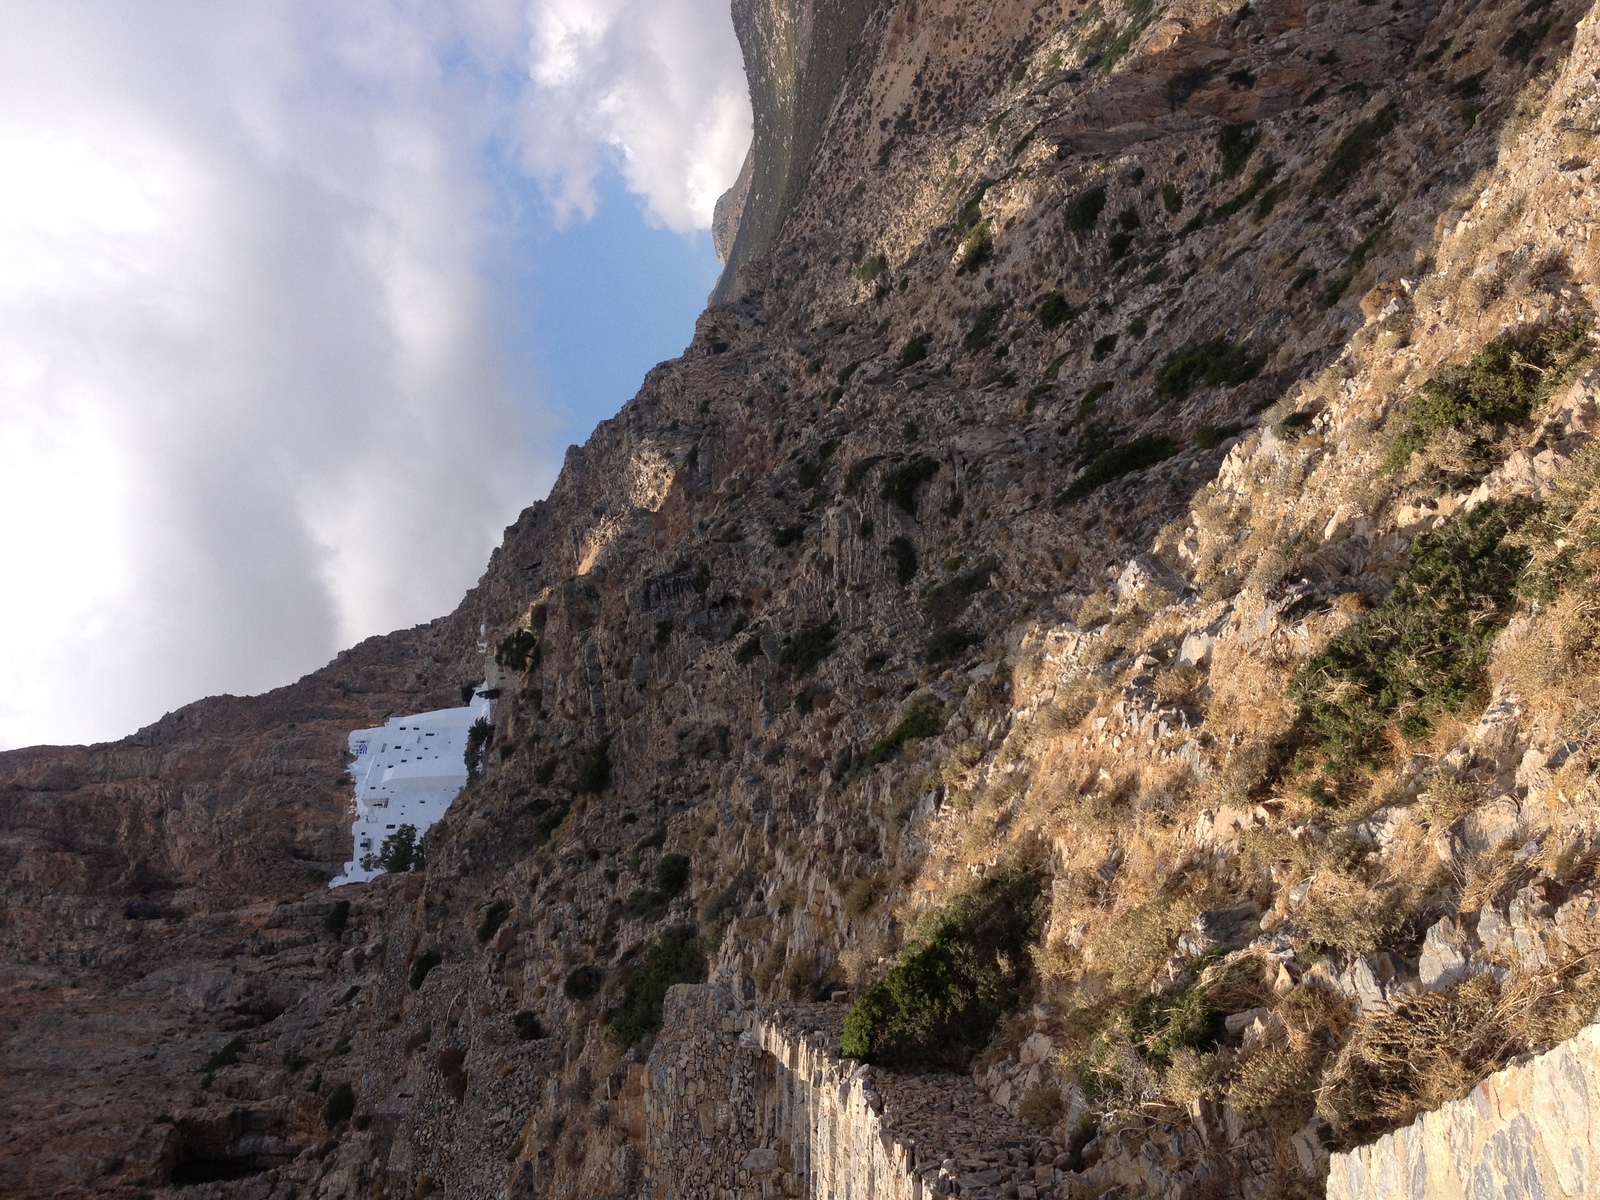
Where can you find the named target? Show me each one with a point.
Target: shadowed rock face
(790, 605)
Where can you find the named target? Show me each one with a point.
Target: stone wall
(743, 1105)
(1529, 1131)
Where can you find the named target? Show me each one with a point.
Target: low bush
(915, 350)
(479, 734)
(594, 773)
(1054, 311)
(1103, 346)
(802, 653)
(784, 536)
(904, 555)
(948, 600)
(926, 719)
(1042, 1106)
(517, 651)
(548, 821)
(493, 917)
(1162, 1023)
(1141, 452)
(338, 916)
(942, 1001)
(1235, 145)
(1212, 363)
(583, 983)
(813, 470)
(1083, 210)
(900, 485)
(1354, 151)
(1421, 652)
(422, 965)
(527, 1026)
(977, 248)
(1171, 198)
(749, 650)
(981, 336)
(1119, 244)
(672, 874)
(857, 472)
(949, 642)
(871, 267)
(677, 957)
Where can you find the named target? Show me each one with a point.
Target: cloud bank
(251, 404)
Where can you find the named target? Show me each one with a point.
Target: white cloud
(655, 86)
(251, 406)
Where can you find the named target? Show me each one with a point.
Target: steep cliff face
(1103, 472)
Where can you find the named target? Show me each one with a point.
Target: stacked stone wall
(1529, 1132)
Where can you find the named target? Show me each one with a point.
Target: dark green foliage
(871, 267)
(926, 719)
(594, 774)
(1138, 327)
(663, 632)
(1235, 145)
(1502, 384)
(971, 212)
(338, 916)
(900, 485)
(1119, 244)
(226, 1057)
(527, 1026)
(672, 874)
(341, 1105)
(1522, 43)
(517, 651)
(977, 247)
(1243, 77)
(1171, 198)
(1213, 363)
(1263, 176)
(583, 983)
(548, 821)
(981, 336)
(400, 851)
(915, 350)
(1185, 84)
(785, 536)
(1091, 398)
(1353, 152)
(801, 653)
(1162, 1023)
(1128, 218)
(1142, 452)
(1054, 311)
(846, 371)
(1103, 346)
(478, 736)
(702, 579)
(949, 642)
(904, 555)
(1421, 652)
(1468, 87)
(858, 472)
(947, 601)
(943, 1000)
(1083, 210)
(814, 470)
(493, 917)
(677, 957)
(1211, 436)
(421, 965)
(749, 650)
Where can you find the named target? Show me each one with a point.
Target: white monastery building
(407, 773)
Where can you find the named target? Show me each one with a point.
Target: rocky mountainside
(1107, 596)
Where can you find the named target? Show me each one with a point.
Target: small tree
(478, 735)
(401, 851)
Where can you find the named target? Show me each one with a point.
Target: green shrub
(857, 472)
(493, 917)
(749, 650)
(1235, 145)
(814, 470)
(583, 983)
(517, 651)
(1421, 652)
(421, 965)
(1091, 398)
(871, 267)
(545, 825)
(971, 212)
(1524, 39)
(400, 851)
(948, 600)
(1083, 210)
(926, 719)
(1162, 1023)
(784, 536)
(341, 1105)
(672, 874)
(1119, 244)
(338, 916)
(1354, 151)
(1103, 346)
(942, 1001)
(949, 642)
(981, 336)
(677, 957)
(904, 555)
(1503, 384)
(663, 633)
(1145, 451)
(527, 1026)
(801, 653)
(594, 774)
(915, 350)
(1054, 311)
(1263, 176)
(977, 247)
(479, 734)
(1171, 198)
(1212, 363)
(1211, 436)
(900, 485)
(1128, 218)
